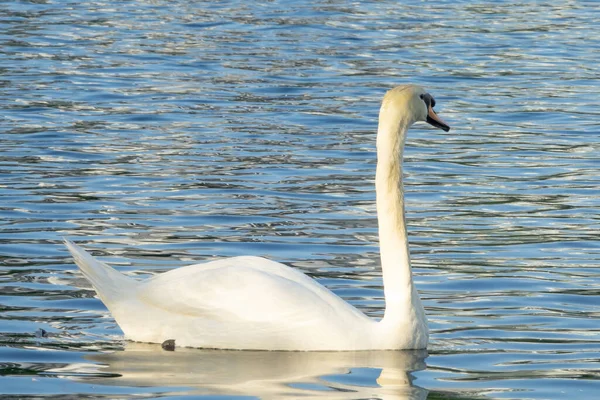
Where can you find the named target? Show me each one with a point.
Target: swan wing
(243, 303)
(243, 289)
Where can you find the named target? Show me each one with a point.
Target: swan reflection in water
(266, 374)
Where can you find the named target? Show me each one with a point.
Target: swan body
(253, 303)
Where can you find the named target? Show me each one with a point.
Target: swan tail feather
(109, 283)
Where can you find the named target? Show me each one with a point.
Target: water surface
(159, 134)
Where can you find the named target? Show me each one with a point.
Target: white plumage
(255, 303)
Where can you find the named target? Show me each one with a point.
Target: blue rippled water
(160, 133)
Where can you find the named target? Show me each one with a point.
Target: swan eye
(428, 99)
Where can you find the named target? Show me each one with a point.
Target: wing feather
(242, 289)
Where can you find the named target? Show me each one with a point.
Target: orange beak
(434, 120)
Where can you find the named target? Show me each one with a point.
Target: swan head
(413, 103)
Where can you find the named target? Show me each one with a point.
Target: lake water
(159, 134)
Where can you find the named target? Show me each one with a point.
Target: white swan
(259, 304)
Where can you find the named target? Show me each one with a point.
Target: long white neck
(393, 241)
